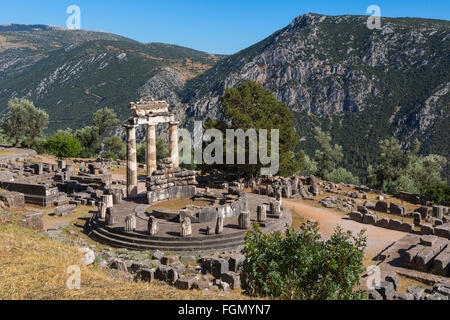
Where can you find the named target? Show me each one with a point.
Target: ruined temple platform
(168, 237)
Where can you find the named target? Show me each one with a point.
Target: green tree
(104, 120)
(309, 166)
(24, 123)
(162, 150)
(327, 156)
(90, 141)
(399, 170)
(114, 148)
(438, 193)
(341, 175)
(302, 265)
(63, 144)
(392, 163)
(250, 106)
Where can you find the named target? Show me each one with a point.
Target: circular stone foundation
(168, 236)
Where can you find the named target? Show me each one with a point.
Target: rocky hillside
(71, 73)
(360, 84)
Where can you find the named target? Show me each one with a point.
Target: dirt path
(377, 238)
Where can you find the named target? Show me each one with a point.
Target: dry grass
(405, 282)
(34, 267)
(6, 152)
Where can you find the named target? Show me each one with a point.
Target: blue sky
(207, 25)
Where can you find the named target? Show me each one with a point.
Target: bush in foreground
(301, 265)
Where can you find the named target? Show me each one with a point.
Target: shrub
(63, 144)
(301, 265)
(439, 193)
(341, 175)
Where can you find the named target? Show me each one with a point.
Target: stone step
(172, 248)
(181, 242)
(179, 245)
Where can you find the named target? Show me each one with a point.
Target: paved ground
(377, 238)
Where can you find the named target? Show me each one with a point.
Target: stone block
(406, 227)
(232, 278)
(386, 290)
(394, 279)
(172, 276)
(33, 220)
(219, 266)
(381, 206)
(438, 212)
(403, 296)
(235, 262)
(443, 231)
(396, 209)
(417, 218)
(374, 295)
(426, 229)
(424, 259)
(410, 255)
(178, 267)
(162, 273)
(441, 264)
(370, 218)
(201, 284)
(437, 222)
(146, 274)
(417, 292)
(356, 216)
(13, 200)
(244, 220)
(168, 260)
(423, 211)
(428, 240)
(185, 283)
(369, 205)
(383, 223)
(363, 209)
(157, 255)
(395, 224)
(261, 213)
(64, 210)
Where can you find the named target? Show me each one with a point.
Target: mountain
(361, 85)
(72, 73)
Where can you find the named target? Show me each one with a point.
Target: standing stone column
(151, 149)
(101, 210)
(173, 143)
(130, 223)
(186, 228)
(131, 162)
(261, 213)
(152, 226)
(244, 220)
(219, 223)
(275, 208)
(108, 200)
(109, 218)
